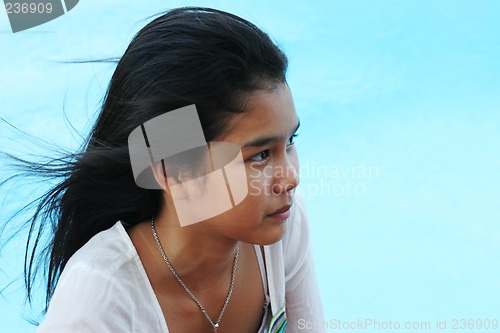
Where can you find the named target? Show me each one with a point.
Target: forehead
(268, 112)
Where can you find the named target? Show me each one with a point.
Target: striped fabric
(278, 322)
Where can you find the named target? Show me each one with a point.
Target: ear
(167, 175)
(162, 177)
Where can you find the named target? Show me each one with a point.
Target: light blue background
(406, 89)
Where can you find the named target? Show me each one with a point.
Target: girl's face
(265, 133)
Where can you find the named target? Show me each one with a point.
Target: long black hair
(190, 55)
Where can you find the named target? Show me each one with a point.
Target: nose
(288, 180)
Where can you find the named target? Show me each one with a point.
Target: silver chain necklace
(216, 324)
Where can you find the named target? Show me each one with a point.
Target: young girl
(121, 258)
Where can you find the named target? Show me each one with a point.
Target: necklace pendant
(216, 326)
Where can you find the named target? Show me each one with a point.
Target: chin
(272, 236)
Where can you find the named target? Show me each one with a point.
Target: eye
(260, 157)
(291, 141)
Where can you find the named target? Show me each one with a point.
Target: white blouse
(104, 287)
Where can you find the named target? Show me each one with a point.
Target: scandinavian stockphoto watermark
(348, 180)
(372, 324)
(24, 15)
(169, 152)
(337, 180)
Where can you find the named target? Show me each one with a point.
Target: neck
(198, 255)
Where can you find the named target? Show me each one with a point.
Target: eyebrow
(263, 141)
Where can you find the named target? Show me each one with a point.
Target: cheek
(259, 181)
(251, 209)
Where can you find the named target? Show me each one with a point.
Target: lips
(281, 215)
(282, 210)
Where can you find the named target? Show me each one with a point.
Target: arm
(85, 301)
(303, 302)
